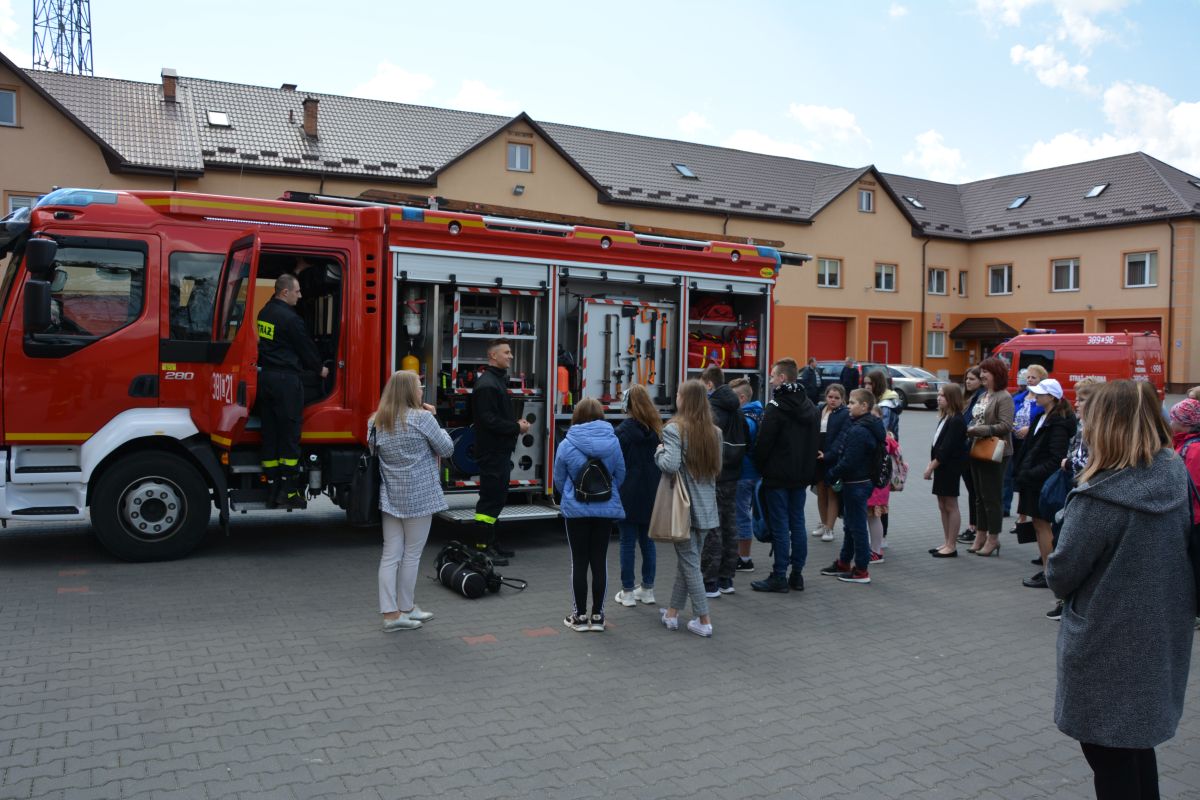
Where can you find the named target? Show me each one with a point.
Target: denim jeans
(633, 536)
(856, 543)
(785, 514)
(742, 502)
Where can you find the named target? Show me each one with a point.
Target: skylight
(685, 171)
(1020, 201)
(1195, 183)
(1097, 190)
(914, 201)
(218, 119)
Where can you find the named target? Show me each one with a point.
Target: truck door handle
(144, 386)
(241, 393)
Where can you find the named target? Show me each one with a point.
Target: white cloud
(1051, 67)
(1004, 12)
(897, 11)
(838, 124)
(1075, 20)
(1139, 117)
(693, 123)
(393, 83)
(935, 159)
(758, 142)
(14, 38)
(477, 96)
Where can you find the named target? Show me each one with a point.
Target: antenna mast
(62, 36)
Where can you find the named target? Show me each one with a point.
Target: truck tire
(150, 507)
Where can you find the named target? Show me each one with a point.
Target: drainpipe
(924, 293)
(1170, 344)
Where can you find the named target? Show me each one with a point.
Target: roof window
(685, 171)
(1020, 201)
(218, 119)
(914, 202)
(1097, 190)
(1195, 183)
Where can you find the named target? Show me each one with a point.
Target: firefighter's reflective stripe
(266, 330)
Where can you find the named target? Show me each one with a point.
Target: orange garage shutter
(883, 338)
(826, 338)
(1134, 325)
(1060, 325)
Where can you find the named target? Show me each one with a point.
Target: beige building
(903, 269)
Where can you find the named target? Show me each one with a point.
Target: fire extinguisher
(750, 346)
(734, 340)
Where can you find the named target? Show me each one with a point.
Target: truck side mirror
(39, 256)
(37, 306)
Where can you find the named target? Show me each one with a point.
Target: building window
(1000, 279)
(520, 157)
(962, 283)
(218, 119)
(1141, 270)
(914, 202)
(829, 273)
(1065, 274)
(885, 277)
(1096, 191)
(1018, 202)
(8, 107)
(960, 345)
(937, 281)
(16, 201)
(935, 344)
(686, 171)
(866, 201)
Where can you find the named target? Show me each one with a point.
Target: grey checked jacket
(408, 463)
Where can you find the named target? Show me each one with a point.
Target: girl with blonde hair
(691, 449)
(409, 442)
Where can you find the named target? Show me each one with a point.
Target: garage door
(883, 340)
(1060, 325)
(827, 338)
(1134, 325)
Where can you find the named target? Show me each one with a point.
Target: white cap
(1048, 386)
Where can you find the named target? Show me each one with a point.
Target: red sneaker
(856, 576)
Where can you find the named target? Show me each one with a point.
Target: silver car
(916, 386)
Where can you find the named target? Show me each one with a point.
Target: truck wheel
(150, 507)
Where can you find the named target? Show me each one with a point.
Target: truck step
(513, 513)
(45, 511)
(39, 470)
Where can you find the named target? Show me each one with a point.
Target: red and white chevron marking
(497, 290)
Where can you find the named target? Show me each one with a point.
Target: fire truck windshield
(78, 197)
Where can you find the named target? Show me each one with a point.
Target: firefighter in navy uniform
(284, 351)
(497, 427)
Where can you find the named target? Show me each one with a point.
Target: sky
(950, 90)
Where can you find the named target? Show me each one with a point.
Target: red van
(1071, 357)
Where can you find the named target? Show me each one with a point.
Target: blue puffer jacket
(753, 412)
(852, 454)
(589, 440)
(641, 473)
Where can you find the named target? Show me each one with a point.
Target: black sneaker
(745, 565)
(772, 583)
(1056, 612)
(967, 536)
(576, 622)
(1036, 582)
(796, 581)
(492, 555)
(596, 623)
(294, 500)
(836, 569)
(711, 590)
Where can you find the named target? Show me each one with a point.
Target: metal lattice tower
(62, 36)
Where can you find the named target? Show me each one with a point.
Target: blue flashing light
(1038, 330)
(412, 214)
(772, 253)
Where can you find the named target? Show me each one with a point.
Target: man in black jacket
(786, 455)
(719, 554)
(497, 427)
(810, 378)
(849, 376)
(285, 350)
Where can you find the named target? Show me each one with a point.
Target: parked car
(914, 384)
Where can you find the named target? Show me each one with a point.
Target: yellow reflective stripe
(345, 435)
(180, 205)
(271, 463)
(616, 237)
(266, 330)
(221, 440)
(46, 437)
(288, 462)
(485, 518)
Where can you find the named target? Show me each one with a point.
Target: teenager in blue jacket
(850, 473)
(589, 525)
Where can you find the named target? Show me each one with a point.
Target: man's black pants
(280, 407)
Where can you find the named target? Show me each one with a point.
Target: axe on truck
(662, 398)
(652, 350)
(605, 381)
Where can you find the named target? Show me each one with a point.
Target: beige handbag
(671, 519)
(988, 448)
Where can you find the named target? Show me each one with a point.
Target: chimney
(170, 78)
(310, 117)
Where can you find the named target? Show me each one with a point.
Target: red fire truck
(129, 345)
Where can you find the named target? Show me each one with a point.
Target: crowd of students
(1114, 554)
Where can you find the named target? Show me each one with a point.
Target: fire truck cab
(129, 347)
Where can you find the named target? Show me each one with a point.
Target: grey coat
(669, 459)
(1125, 642)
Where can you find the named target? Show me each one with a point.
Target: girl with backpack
(639, 437)
(877, 503)
(589, 470)
(691, 449)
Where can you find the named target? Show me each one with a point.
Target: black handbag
(365, 486)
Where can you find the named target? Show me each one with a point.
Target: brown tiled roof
(402, 143)
(983, 328)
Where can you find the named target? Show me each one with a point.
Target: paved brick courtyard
(256, 669)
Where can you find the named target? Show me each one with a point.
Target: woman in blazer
(945, 465)
(1121, 566)
(409, 442)
(972, 391)
(993, 416)
(1043, 453)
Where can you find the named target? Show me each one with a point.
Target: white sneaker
(644, 595)
(820, 530)
(699, 628)
(672, 623)
(404, 622)
(627, 598)
(419, 615)
(827, 535)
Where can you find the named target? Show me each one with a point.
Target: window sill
(1141, 286)
(886, 291)
(999, 294)
(837, 286)
(1062, 291)
(938, 294)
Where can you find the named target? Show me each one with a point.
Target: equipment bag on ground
(470, 573)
